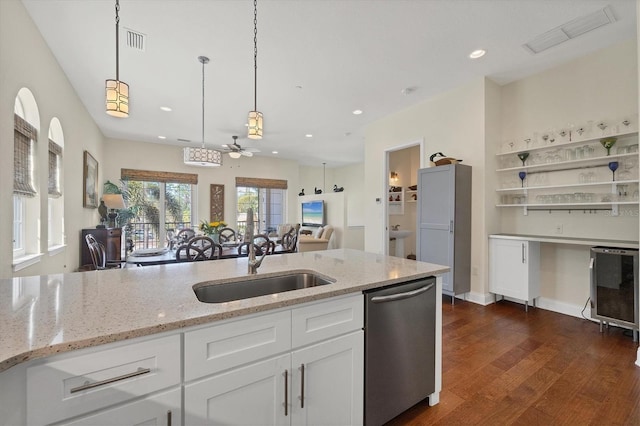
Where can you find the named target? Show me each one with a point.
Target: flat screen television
(313, 213)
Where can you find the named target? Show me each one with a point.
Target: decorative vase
(215, 236)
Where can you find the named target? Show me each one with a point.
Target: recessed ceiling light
(308, 135)
(477, 54)
(162, 137)
(357, 111)
(167, 109)
(274, 152)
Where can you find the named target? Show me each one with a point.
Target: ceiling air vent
(571, 29)
(135, 40)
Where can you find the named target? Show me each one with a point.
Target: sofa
(319, 240)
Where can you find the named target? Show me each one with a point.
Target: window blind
(153, 176)
(25, 136)
(261, 183)
(55, 164)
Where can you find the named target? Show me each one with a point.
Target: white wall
(452, 123)
(121, 154)
(26, 61)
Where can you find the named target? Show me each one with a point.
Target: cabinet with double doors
(299, 366)
(571, 174)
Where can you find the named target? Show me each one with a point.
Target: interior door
(435, 218)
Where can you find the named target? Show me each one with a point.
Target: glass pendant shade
(233, 154)
(117, 93)
(255, 125)
(202, 157)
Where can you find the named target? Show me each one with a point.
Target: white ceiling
(318, 60)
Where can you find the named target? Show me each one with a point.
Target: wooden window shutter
(261, 183)
(153, 176)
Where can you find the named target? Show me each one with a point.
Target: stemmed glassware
(602, 125)
(523, 156)
(613, 166)
(523, 175)
(608, 143)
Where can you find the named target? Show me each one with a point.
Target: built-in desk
(568, 240)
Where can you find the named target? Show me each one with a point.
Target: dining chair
(184, 235)
(290, 241)
(227, 235)
(99, 255)
(198, 248)
(259, 247)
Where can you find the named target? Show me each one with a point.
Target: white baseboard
(483, 299)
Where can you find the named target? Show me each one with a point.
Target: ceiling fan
(235, 150)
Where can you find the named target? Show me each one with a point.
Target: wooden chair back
(197, 249)
(227, 235)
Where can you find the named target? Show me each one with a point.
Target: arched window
(55, 220)
(26, 200)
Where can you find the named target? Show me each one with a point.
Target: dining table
(163, 256)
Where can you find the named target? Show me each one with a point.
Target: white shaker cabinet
(514, 269)
(309, 369)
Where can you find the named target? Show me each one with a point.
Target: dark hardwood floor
(503, 366)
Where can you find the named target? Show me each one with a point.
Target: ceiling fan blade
(252, 150)
(246, 153)
(225, 146)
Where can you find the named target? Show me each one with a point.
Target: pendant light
(255, 116)
(117, 92)
(202, 156)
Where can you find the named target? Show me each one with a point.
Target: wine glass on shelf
(613, 166)
(608, 143)
(523, 156)
(522, 176)
(602, 126)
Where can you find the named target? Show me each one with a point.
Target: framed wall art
(90, 181)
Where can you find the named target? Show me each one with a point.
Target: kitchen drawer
(161, 409)
(230, 344)
(327, 319)
(68, 386)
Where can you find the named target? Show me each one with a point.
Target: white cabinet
(161, 409)
(75, 384)
(514, 269)
(312, 374)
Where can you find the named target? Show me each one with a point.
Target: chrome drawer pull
(400, 296)
(88, 385)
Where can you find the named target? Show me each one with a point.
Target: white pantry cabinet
(318, 379)
(514, 269)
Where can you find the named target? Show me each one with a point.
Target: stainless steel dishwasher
(399, 338)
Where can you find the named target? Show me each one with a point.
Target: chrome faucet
(252, 264)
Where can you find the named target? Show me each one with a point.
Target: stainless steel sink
(212, 292)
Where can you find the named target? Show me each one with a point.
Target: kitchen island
(49, 315)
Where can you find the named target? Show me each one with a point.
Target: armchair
(319, 241)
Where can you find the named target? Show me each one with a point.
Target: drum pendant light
(255, 116)
(117, 92)
(202, 156)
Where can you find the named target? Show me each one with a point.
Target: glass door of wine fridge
(614, 286)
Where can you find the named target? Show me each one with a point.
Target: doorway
(400, 176)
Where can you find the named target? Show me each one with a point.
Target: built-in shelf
(567, 185)
(566, 143)
(583, 163)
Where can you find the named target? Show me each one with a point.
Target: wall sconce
(393, 176)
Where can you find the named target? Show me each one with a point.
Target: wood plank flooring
(505, 366)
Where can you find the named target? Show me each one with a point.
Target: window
(55, 205)
(155, 198)
(267, 199)
(26, 200)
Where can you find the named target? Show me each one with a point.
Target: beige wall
(452, 123)
(600, 86)
(148, 156)
(26, 61)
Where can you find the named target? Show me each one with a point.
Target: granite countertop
(49, 314)
(559, 239)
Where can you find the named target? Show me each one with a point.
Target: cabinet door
(330, 392)
(162, 409)
(435, 217)
(249, 395)
(509, 268)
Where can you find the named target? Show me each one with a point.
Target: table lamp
(113, 202)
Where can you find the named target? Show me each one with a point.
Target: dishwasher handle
(400, 296)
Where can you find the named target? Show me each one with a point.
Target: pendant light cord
(117, 41)
(255, 55)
